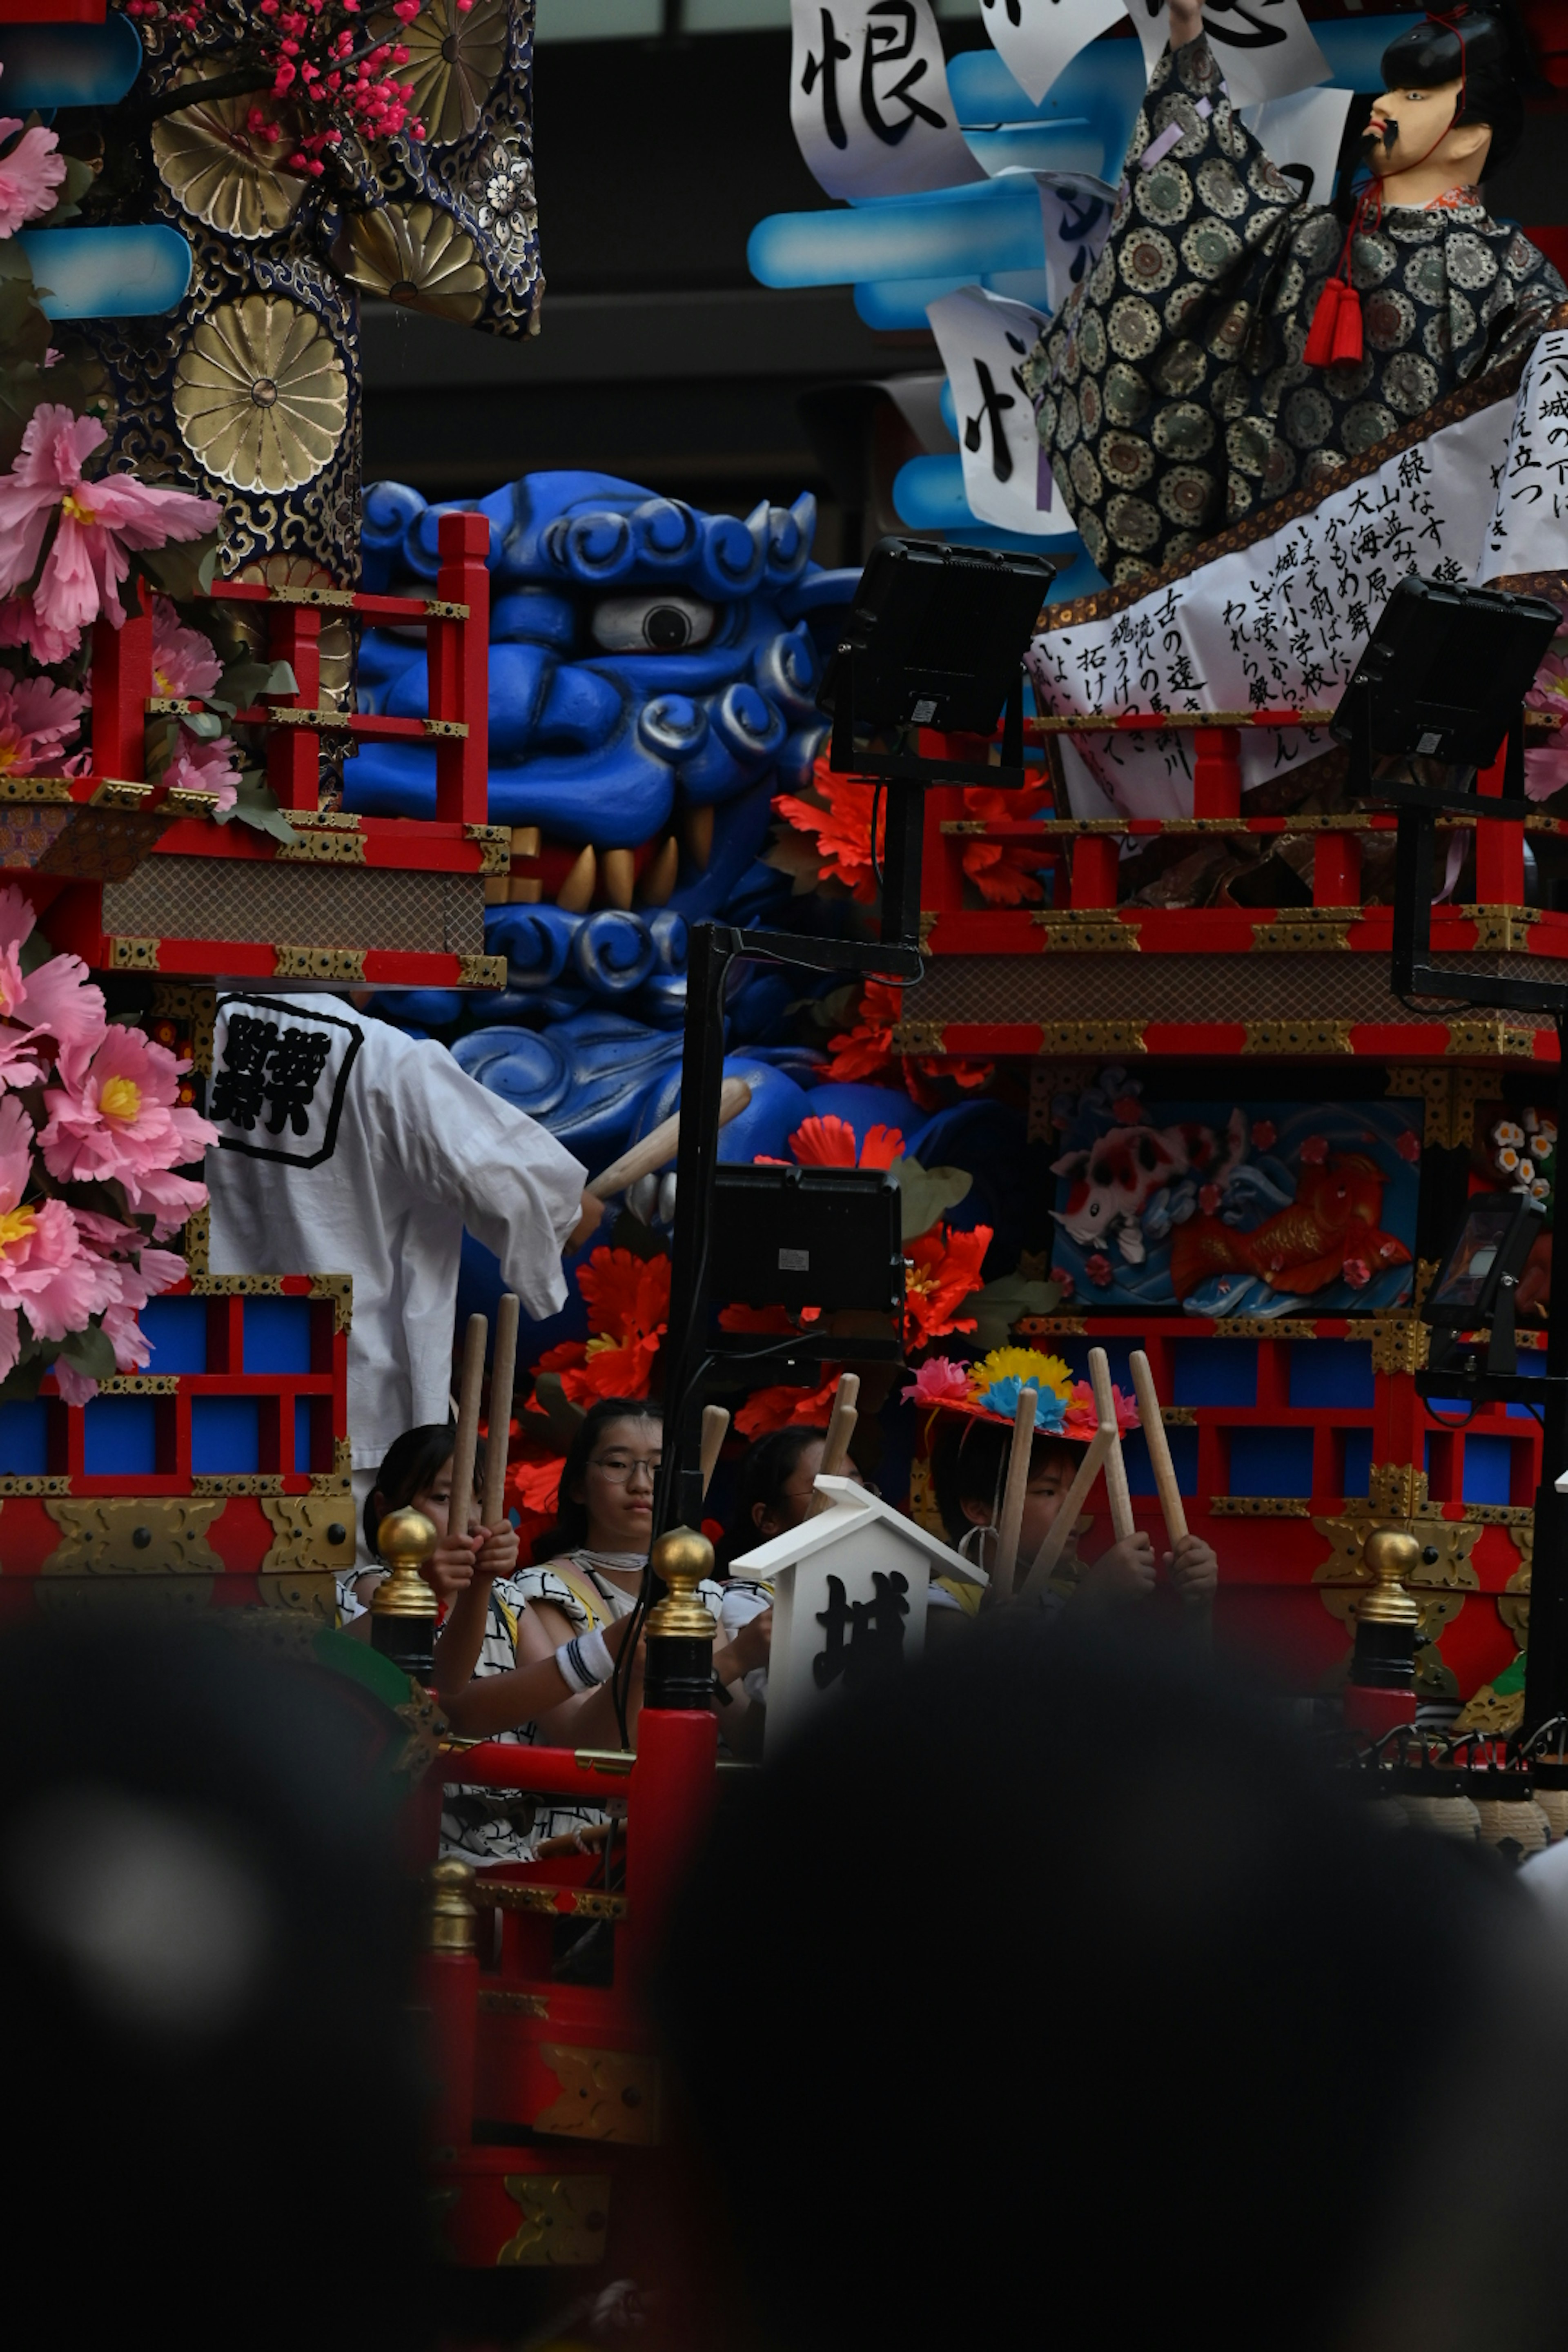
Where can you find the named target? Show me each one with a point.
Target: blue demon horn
(612, 953)
(733, 554)
(599, 547)
(790, 530)
(666, 533)
(787, 670)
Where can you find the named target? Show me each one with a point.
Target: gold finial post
(1381, 1689)
(402, 1607)
(680, 1631)
(450, 1916)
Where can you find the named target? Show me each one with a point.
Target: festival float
(1103, 1001)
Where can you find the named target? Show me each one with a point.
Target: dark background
(659, 358)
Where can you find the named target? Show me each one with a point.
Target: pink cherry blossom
(1314, 1151)
(1099, 1270)
(31, 174)
(202, 765)
(1264, 1135)
(1357, 1273)
(57, 1013)
(938, 1380)
(99, 520)
(1545, 771)
(1066, 1280)
(1408, 1146)
(21, 626)
(37, 718)
(185, 662)
(135, 1279)
(122, 1121)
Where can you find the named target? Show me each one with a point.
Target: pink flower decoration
(1545, 771)
(1209, 1199)
(119, 1121)
(44, 1269)
(203, 766)
(1314, 1151)
(37, 719)
(1083, 1416)
(99, 520)
(61, 1014)
(31, 174)
(1408, 1146)
(185, 662)
(1357, 1272)
(938, 1380)
(1064, 1276)
(20, 626)
(1099, 1270)
(1265, 1134)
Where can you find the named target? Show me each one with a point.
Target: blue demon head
(646, 660)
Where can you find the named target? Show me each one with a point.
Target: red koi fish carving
(1330, 1230)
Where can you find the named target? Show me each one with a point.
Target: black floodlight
(1475, 1291)
(936, 638)
(1485, 1260)
(1443, 680)
(794, 1237)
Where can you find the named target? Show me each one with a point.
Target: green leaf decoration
(245, 682)
(997, 1307)
(88, 1353)
(257, 804)
(927, 1193)
(183, 569)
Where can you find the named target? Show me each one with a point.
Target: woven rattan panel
(299, 906)
(1333, 986)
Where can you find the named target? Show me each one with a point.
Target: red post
(1336, 870)
(121, 684)
(460, 671)
(670, 1795)
(1216, 771)
(1499, 846)
(294, 753)
(449, 1981)
(1096, 861)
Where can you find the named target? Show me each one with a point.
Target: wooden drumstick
(1066, 1519)
(841, 1425)
(1121, 1522)
(1154, 1437)
(651, 1154)
(503, 1380)
(465, 1444)
(1020, 1451)
(715, 1424)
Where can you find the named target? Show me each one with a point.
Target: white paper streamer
(984, 341)
(869, 99)
(1264, 48)
(1038, 40)
(1301, 135)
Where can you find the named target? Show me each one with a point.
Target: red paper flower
(782, 1408)
(628, 1298)
(866, 1050)
(1004, 872)
(837, 817)
(942, 1269)
(829, 1142)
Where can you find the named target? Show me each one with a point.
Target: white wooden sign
(850, 1589)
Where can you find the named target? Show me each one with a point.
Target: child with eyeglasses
(569, 1610)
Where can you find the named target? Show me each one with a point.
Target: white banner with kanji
(1279, 622)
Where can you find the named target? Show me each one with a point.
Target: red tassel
(1319, 350)
(1348, 344)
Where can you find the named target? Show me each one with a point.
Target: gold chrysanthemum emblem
(454, 62)
(415, 255)
(219, 171)
(260, 395)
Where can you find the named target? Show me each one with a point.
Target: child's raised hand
(450, 1567)
(497, 1554)
(1125, 1573)
(1193, 1569)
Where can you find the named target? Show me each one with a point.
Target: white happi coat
(346, 1147)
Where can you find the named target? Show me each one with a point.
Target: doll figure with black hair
(1234, 344)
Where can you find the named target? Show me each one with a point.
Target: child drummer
(968, 1468)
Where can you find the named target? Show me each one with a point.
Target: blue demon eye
(661, 624)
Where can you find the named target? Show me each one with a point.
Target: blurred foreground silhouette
(1079, 2004)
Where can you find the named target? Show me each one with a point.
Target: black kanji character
(886, 46)
(875, 1628)
(297, 1058)
(992, 404)
(1258, 35)
(826, 66)
(240, 1087)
